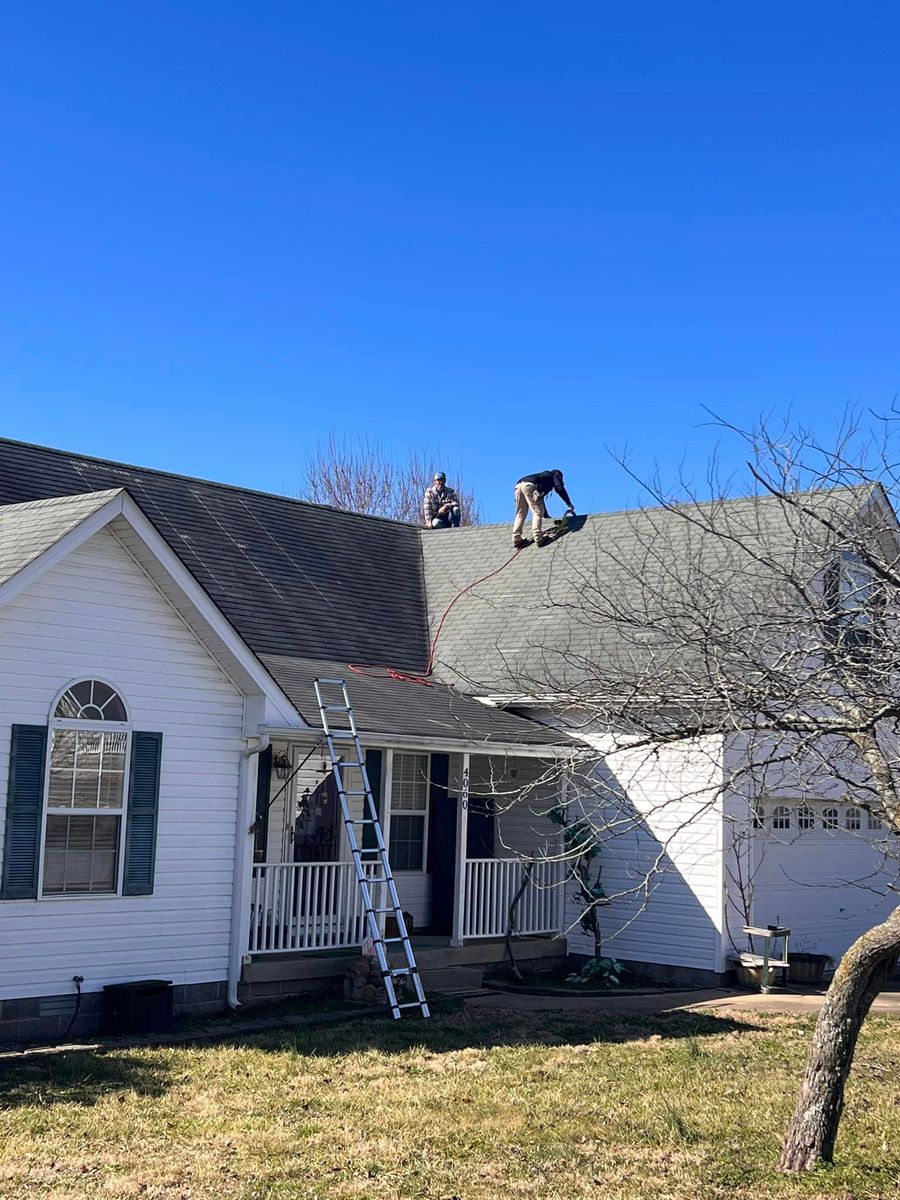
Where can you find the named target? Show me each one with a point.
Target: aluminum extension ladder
(334, 736)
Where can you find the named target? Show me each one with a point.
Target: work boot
(541, 539)
(519, 542)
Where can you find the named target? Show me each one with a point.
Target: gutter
(423, 742)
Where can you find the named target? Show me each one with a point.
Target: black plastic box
(144, 1006)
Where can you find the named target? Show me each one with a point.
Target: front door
(441, 846)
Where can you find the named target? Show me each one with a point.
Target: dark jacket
(549, 481)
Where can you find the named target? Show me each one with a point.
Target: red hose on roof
(369, 669)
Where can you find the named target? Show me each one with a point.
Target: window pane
(62, 752)
(830, 818)
(805, 817)
(60, 790)
(86, 784)
(81, 854)
(410, 782)
(853, 819)
(407, 843)
(87, 750)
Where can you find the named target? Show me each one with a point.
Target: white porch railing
(491, 884)
(307, 906)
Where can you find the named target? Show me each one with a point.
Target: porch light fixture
(281, 764)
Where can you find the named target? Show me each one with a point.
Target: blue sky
(520, 232)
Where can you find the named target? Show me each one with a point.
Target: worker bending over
(529, 494)
(441, 504)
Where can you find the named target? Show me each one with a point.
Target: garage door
(824, 871)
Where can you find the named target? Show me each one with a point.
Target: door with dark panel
(441, 845)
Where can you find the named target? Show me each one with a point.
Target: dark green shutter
(373, 770)
(24, 801)
(261, 820)
(140, 821)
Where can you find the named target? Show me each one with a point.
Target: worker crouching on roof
(441, 504)
(529, 494)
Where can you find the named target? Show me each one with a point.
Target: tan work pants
(528, 497)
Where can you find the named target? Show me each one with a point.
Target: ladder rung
(383, 879)
(412, 1004)
(400, 971)
(346, 793)
(332, 682)
(390, 941)
(380, 912)
(360, 821)
(345, 708)
(340, 735)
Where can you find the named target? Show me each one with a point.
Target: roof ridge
(46, 501)
(216, 483)
(658, 508)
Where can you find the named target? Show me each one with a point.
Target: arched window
(853, 819)
(830, 818)
(86, 790)
(90, 700)
(806, 818)
(781, 817)
(874, 822)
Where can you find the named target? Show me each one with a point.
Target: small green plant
(599, 972)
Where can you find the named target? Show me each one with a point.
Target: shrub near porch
(683, 1106)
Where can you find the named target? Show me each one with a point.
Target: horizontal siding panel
(98, 614)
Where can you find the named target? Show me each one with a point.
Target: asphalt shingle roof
(27, 530)
(532, 625)
(290, 576)
(309, 588)
(312, 588)
(402, 708)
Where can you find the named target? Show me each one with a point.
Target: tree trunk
(862, 973)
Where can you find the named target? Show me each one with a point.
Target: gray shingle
(384, 705)
(27, 530)
(529, 627)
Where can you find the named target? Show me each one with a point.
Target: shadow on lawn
(87, 1077)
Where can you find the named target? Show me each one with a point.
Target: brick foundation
(46, 1018)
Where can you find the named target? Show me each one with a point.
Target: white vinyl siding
(661, 855)
(97, 614)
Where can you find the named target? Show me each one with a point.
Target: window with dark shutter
(24, 802)
(143, 809)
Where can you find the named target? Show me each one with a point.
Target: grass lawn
(470, 1105)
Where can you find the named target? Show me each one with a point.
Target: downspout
(240, 905)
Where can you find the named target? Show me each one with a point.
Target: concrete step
(448, 980)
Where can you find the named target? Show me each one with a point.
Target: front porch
(466, 834)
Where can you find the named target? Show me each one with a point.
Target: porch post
(462, 830)
(562, 864)
(387, 783)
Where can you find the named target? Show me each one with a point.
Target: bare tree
(762, 631)
(361, 476)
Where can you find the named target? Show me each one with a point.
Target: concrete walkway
(795, 1000)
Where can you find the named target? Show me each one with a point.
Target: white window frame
(831, 823)
(853, 812)
(73, 723)
(412, 812)
(806, 817)
(781, 813)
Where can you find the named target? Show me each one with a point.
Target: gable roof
(287, 574)
(28, 530)
(308, 588)
(35, 536)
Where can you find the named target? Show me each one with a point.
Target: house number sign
(464, 790)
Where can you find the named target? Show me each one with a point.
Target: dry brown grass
(470, 1105)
